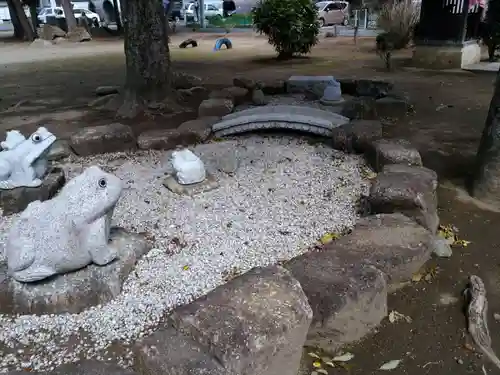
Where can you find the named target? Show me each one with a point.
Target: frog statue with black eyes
(67, 232)
(23, 162)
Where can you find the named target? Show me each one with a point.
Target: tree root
(129, 106)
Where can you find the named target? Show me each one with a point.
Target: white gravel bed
(284, 196)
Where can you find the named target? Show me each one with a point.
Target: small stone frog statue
(188, 168)
(23, 162)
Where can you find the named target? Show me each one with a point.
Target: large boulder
(408, 190)
(255, 324)
(76, 291)
(356, 136)
(80, 34)
(215, 107)
(237, 95)
(16, 200)
(182, 80)
(393, 243)
(392, 151)
(167, 351)
(102, 139)
(347, 301)
(50, 32)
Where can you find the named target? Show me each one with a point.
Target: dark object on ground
(223, 42)
(188, 42)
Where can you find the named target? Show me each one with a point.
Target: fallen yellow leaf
(185, 268)
(416, 277)
(317, 364)
(313, 355)
(328, 237)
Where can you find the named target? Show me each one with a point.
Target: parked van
(333, 12)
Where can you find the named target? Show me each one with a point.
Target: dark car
(176, 12)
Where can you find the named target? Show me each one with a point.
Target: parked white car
(59, 13)
(93, 17)
(44, 13)
(211, 10)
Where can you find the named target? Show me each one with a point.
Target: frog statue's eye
(102, 183)
(36, 138)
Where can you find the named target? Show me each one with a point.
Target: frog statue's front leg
(6, 181)
(27, 175)
(96, 240)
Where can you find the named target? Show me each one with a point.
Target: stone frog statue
(66, 233)
(23, 162)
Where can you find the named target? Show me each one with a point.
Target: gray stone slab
(291, 110)
(300, 118)
(76, 291)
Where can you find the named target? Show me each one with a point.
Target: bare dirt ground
(450, 110)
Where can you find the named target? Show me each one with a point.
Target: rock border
(365, 100)
(331, 296)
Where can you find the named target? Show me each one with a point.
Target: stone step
(294, 117)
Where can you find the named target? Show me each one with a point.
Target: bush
(291, 26)
(398, 18)
(490, 28)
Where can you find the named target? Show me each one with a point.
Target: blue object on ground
(222, 42)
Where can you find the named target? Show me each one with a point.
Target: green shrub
(291, 26)
(490, 28)
(399, 18)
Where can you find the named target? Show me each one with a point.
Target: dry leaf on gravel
(328, 237)
(426, 274)
(395, 316)
(313, 355)
(391, 365)
(450, 234)
(346, 357)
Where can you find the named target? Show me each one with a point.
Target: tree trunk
(118, 16)
(148, 82)
(69, 15)
(486, 180)
(34, 17)
(16, 22)
(28, 32)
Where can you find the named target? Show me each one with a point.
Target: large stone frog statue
(23, 162)
(66, 233)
